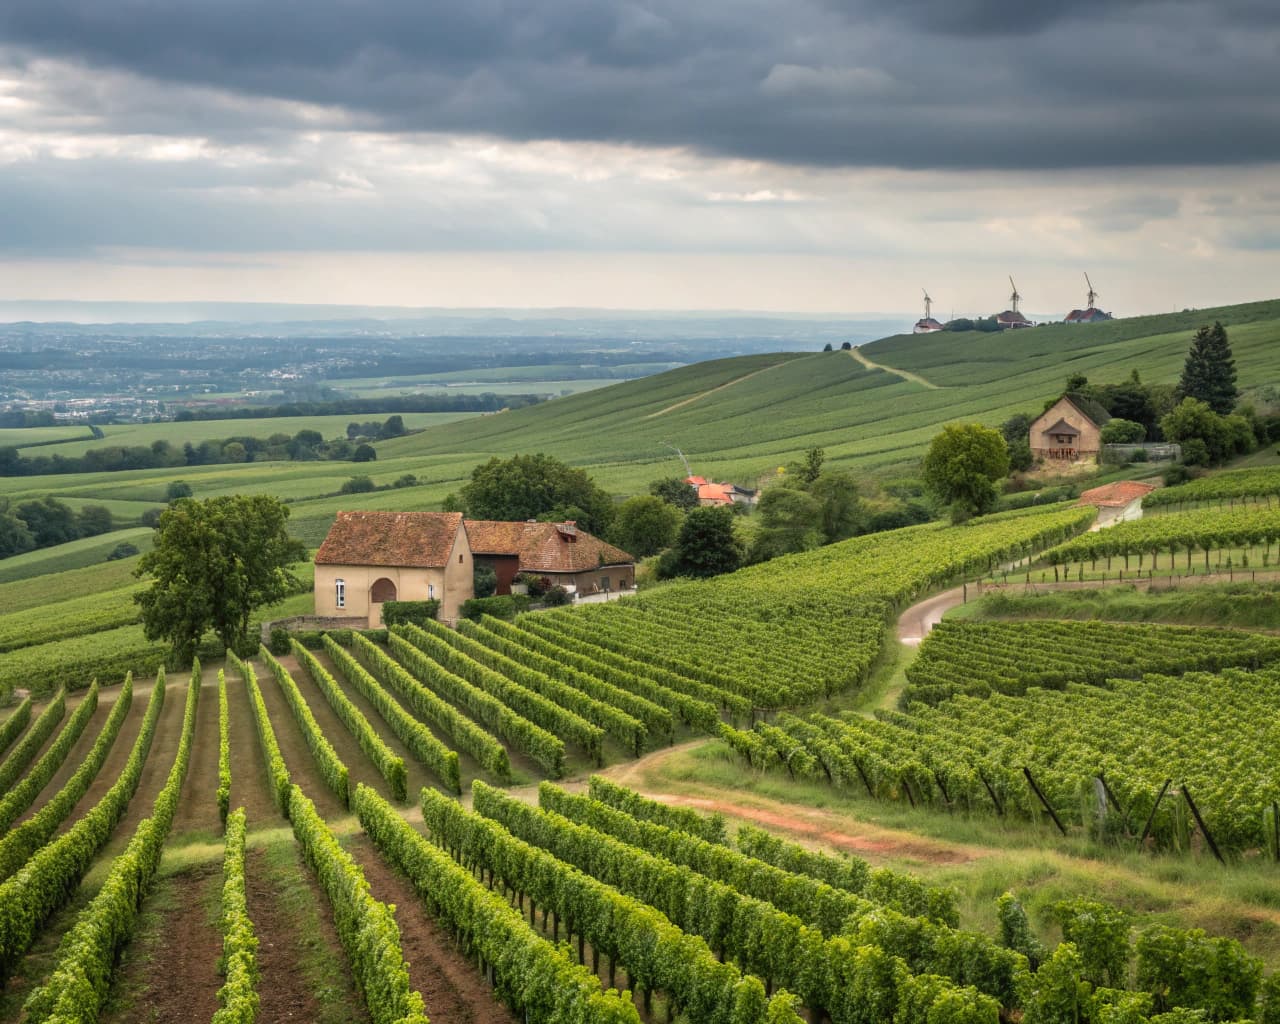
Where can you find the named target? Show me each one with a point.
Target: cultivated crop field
(443, 823)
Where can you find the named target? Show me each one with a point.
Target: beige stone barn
(1068, 431)
(369, 558)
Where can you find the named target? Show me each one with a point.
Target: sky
(804, 155)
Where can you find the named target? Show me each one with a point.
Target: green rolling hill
(736, 419)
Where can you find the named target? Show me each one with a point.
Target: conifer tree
(1210, 371)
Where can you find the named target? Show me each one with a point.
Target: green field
(195, 431)
(21, 437)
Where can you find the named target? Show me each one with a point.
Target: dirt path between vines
(449, 983)
(711, 391)
(907, 375)
(804, 823)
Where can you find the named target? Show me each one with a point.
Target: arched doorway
(382, 590)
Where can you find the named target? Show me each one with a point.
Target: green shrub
(503, 606)
(279, 642)
(556, 597)
(396, 613)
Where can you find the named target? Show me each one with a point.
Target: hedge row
(224, 750)
(626, 729)
(33, 833)
(390, 765)
(654, 951)
(53, 873)
(546, 749)
(238, 997)
(15, 723)
(332, 770)
(420, 740)
(498, 636)
(536, 978)
(366, 928)
(20, 796)
(76, 990)
(23, 754)
(555, 719)
(74, 661)
(277, 772)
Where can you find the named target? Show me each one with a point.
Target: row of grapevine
(694, 702)
(19, 798)
(533, 976)
(1134, 754)
(366, 928)
(332, 770)
(626, 729)
(656, 953)
(829, 973)
(224, 750)
(24, 753)
(389, 764)
(53, 873)
(802, 626)
(544, 748)
(926, 945)
(655, 718)
(1201, 530)
(902, 892)
(1233, 484)
(981, 658)
(33, 833)
(15, 723)
(77, 988)
(238, 997)
(277, 773)
(532, 706)
(433, 754)
(709, 827)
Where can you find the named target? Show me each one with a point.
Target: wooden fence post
(1208, 836)
(1047, 806)
(1151, 818)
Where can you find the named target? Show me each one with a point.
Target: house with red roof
(369, 558)
(1117, 502)
(713, 494)
(564, 554)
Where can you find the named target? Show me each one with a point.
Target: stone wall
(301, 622)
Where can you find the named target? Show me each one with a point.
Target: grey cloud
(1033, 84)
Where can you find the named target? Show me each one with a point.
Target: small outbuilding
(563, 553)
(1118, 502)
(1068, 431)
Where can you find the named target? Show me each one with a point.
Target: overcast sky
(823, 155)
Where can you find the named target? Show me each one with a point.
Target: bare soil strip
(907, 375)
(169, 972)
(250, 787)
(452, 987)
(116, 759)
(198, 802)
(75, 757)
(711, 391)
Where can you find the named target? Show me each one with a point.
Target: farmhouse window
(459, 559)
(340, 592)
(431, 591)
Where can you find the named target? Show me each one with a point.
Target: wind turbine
(928, 304)
(1093, 296)
(1015, 297)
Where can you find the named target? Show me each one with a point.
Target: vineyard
(404, 825)
(1230, 487)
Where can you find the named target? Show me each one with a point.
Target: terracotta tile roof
(1116, 495)
(420, 540)
(695, 481)
(720, 493)
(544, 547)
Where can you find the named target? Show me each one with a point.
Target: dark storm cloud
(909, 83)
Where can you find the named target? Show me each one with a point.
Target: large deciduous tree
(645, 525)
(1210, 370)
(536, 487)
(214, 563)
(790, 520)
(674, 491)
(705, 546)
(962, 466)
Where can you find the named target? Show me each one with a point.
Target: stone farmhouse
(369, 558)
(1068, 431)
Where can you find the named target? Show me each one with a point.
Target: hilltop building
(926, 324)
(1011, 319)
(1091, 314)
(1069, 430)
(1119, 502)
